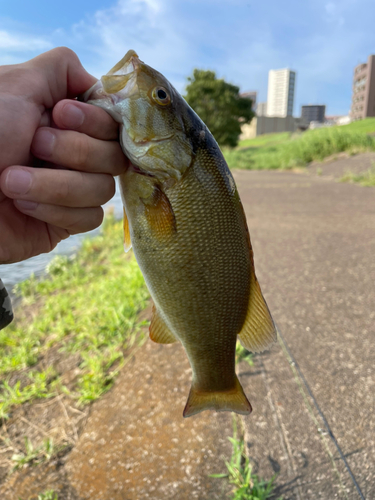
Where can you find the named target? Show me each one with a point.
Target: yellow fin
(159, 332)
(127, 240)
(234, 400)
(160, 215)
(258, 331)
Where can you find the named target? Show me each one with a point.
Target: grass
(366, 179)
(47, 495)
(285, 151)
(243, 354)
(33, 455)
(87, 306)
(246, 484)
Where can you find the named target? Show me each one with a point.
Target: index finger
(90, 120)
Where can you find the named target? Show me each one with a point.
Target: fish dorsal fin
(159, 332)
(159, 214)
(127, 240)
(258, 331)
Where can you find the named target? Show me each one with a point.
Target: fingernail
(72, 117)
(43, 142)
(26, 205)
(18, 181)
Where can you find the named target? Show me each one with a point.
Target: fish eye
(161, 96)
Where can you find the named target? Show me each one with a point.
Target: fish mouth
(121, 81)
(118, 84)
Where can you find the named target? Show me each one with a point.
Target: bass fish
(184, 219)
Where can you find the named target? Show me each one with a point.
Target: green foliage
(366, 179)
(219, 105)
(47, 495)
(87, 305)
(243, 354)
(33, 455)
(283, 151)
(246, 485)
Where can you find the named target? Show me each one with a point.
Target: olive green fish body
(184, 218)
(198, 276)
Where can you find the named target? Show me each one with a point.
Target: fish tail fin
(233, 400)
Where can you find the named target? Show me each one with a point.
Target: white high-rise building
(280, 96)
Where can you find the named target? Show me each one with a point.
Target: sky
(241, 40)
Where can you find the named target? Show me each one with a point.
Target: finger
(60, 74)
(65, 188)
(73, 220)
(79, 151)
(85, 118)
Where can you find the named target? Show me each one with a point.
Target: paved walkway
(314, 243)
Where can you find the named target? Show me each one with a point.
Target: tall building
(313, 113)
(280, 98)
(261, 109)
(251, 95)
(363, 99)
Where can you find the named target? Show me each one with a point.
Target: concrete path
(314, 244)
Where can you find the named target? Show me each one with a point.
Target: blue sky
(322, 40)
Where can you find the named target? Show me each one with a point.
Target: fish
(184, 219)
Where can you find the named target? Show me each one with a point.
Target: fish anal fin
(234, 400)
(160, 215)
(127, 240)
(159, 331)
(258, 331)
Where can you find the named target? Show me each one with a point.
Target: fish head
(154, 118)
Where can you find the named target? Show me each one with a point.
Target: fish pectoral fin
(127, 240)
(258, 331)
(159, 214)
(234, 400)
(159, 331)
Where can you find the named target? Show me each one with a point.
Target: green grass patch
(285, 151)
(246, 484)
(364, 178)
(87, 306)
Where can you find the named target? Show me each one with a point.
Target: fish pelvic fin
(159, 331)
(127, 240)
(258, 331)
(233, 400)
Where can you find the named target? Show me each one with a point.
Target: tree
(219, 105)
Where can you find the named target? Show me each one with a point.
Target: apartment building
(363, 98)
(280, 97)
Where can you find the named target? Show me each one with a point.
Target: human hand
(41, 206)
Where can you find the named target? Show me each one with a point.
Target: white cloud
(17, 42)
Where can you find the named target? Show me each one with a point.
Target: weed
(47, 495)
(243, 354)
(33, 455)
(364, 178)
(246, 485)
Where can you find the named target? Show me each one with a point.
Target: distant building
(280, 98)
(313, 113)
(363, 99)
(261, 109)
(271, 124)
(251, 95)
